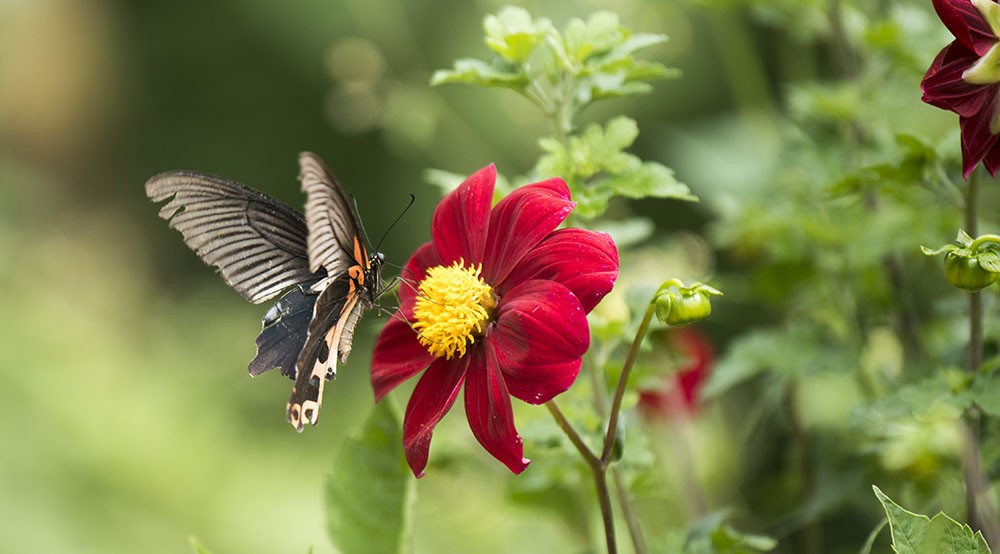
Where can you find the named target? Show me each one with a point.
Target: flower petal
(487, 405)
(432, 398)
(539, 336)
(977, 139)
(462, 219)
(416, 269)
(520, 221)
(944, 87)
(992, 159)
(586, 262)
(397, 357)
(968, 25)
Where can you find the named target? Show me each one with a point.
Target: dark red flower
(497, 301)
(680, 396)
(965, 78)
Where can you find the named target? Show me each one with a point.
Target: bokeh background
(127, 420)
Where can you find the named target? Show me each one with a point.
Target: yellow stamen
(453, 306)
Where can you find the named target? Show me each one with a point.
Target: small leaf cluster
(563, 72)
(587, 61)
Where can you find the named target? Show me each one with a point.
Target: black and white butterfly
(263, 248)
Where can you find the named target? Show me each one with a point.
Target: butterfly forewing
(334, 230)
(258, 243)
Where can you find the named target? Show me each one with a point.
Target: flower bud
(965, 272)
(679, 305)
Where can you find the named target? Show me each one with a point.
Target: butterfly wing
(285, 330)
(335, 244)
(335, 241)
(259, 245)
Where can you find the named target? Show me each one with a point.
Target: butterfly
(319, 264)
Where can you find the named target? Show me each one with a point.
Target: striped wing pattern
(329, 216)
(258, 243)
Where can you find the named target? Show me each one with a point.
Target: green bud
(678, 305)
(966, 273)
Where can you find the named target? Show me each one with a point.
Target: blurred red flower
(680, 396)
(497, 301)
(965, 78)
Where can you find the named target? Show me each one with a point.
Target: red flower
(498, 302)
(965, 78)
(681, 394)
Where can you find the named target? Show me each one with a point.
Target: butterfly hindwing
(337, 312)
(285, 327)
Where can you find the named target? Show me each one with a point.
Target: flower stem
(981, 514)
(616, 404)
(596, 468)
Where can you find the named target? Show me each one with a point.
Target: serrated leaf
(477, 72)
(917, 534)
(369, 495)
(513, 34)
(989, 260)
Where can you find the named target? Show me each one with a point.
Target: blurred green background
(128, 421)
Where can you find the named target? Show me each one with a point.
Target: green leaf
(370, 493)
(513, 34)
(963, 238)
(989, 259)
(713, 536)
(936, 251)
(198, 547)
(917, 534)
(598, 35)
(986, 393)
(477, 72)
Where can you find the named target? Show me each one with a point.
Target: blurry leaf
(369, 495)
(870, 541)
(599, 34)
(985, 391)
(198, 547)
(917, 534)
(626, 232)
(513, 34)
(477, 72)
(713, 536)
(963, 238)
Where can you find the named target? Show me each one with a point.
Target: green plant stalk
(596, 468)
(624, 499)
(616, 403)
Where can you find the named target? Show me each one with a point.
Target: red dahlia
(497, 302)
(965, 78)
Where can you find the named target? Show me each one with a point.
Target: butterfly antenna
(400, 216)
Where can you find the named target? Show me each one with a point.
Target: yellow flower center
(452, 309)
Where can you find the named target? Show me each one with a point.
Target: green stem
(616, 403)
(596, 469)
(981, 240)
(981, 513)
(975, 298)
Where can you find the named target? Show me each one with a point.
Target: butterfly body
(262, 248)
